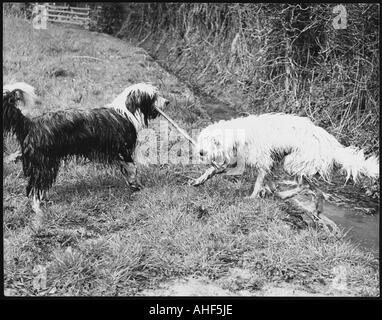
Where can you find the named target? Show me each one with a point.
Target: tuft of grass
(99, 238)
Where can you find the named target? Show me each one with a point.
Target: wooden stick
(176, 126)
(183, 133)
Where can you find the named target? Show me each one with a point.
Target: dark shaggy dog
(107, 135)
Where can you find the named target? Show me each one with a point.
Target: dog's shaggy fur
(262, 140)
(107, 135)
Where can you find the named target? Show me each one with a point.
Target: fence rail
(53, 6)
(53, 11)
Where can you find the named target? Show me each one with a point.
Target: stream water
(360, 228)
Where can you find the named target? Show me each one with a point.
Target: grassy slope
(100, 239)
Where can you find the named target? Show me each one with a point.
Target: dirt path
(233, 283)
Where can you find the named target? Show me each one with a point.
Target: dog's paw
(262, 193)
(197, 182)
(135, 186)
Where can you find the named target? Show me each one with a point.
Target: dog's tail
(354, 163)
(352, 160)
(13, 119)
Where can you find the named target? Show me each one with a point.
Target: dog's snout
(166, 103)
(202, 153)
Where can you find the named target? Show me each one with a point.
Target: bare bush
(272, 57)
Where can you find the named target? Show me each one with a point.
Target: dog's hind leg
(304, 185)
(318, 197)
(286, 194)
(283, 195)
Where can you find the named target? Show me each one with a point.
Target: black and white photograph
(191, 149)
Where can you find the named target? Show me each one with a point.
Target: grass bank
(98, 238)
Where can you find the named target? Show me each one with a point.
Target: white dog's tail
(354, 163)
(28, 95)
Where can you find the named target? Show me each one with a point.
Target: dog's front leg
(36, 207)
(129, 172)
(237, 170)
(258, 189)
(210, 172)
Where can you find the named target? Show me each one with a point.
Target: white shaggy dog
(262, 140)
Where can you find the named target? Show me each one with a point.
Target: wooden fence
(68, 14)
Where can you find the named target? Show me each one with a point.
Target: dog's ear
(11, 97)
(144, 102)
(131, 103)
